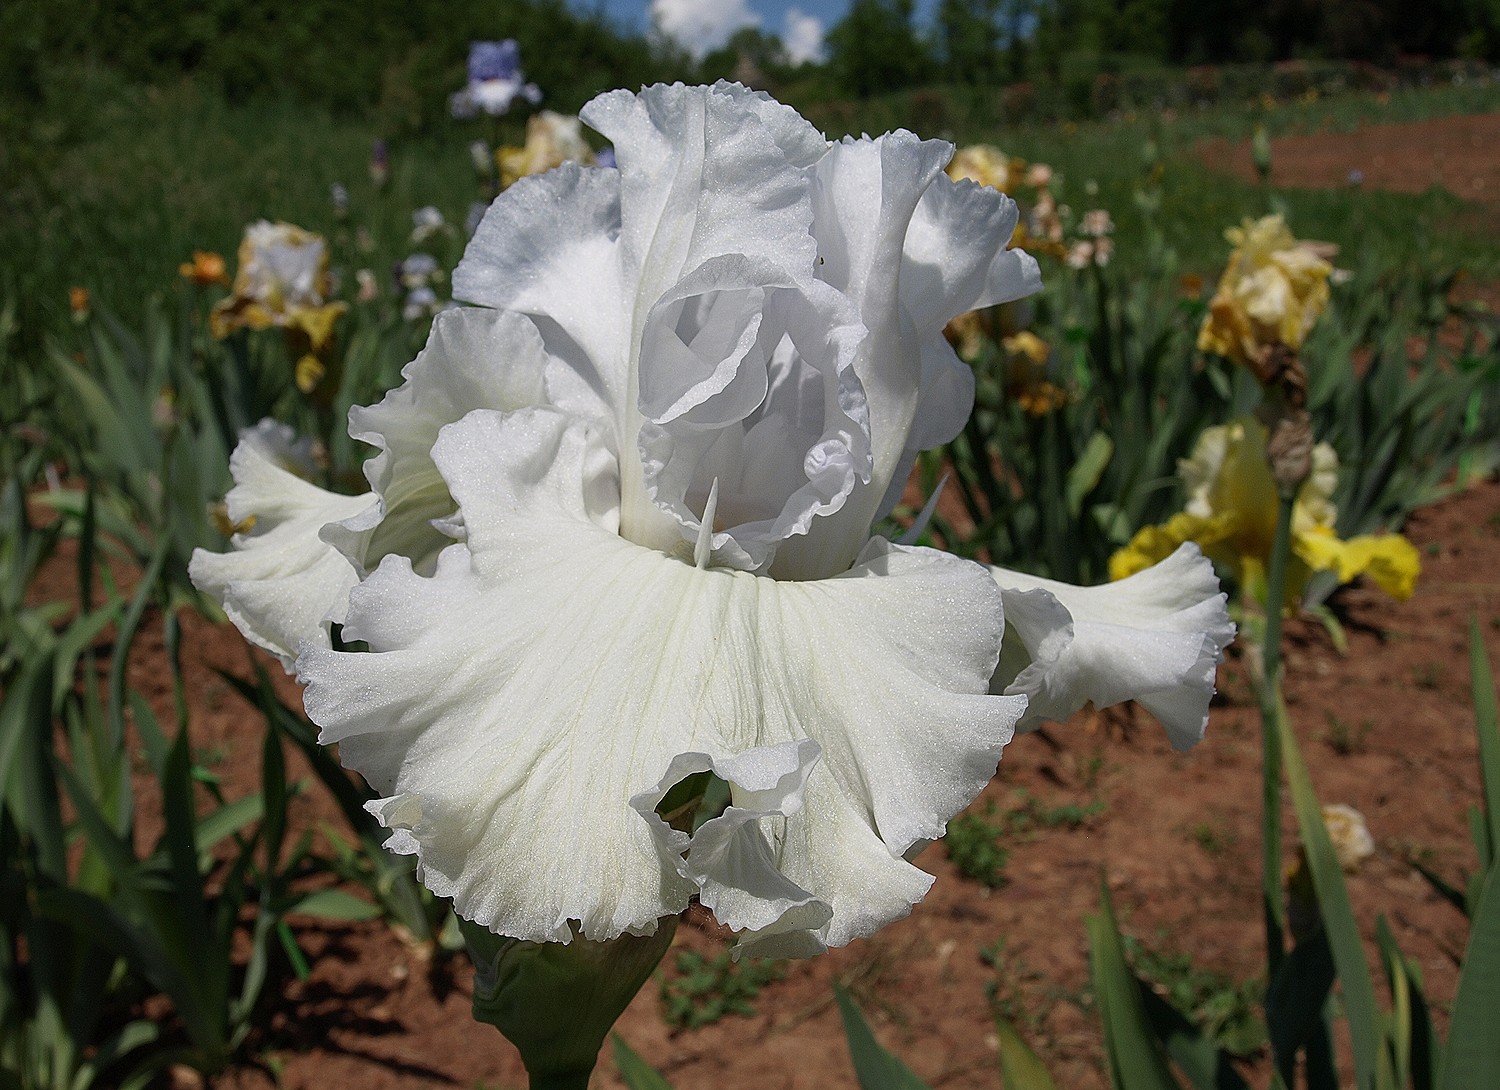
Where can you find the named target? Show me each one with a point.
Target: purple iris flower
(495, 81)
(494, 60)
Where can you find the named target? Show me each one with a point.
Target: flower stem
(1269, 693)
(561, 1080)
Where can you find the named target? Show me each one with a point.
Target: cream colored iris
(1272, 292)
(985, 164)
(282, 281)
(552, 139)
(1231, 514)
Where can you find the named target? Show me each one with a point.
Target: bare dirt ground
(1386, 728)
(1459, 154)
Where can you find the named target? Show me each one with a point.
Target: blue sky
(702, 25)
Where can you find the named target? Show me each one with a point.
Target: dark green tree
(747, 48)
(969, 36)
(876, 48)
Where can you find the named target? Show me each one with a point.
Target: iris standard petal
(548, 247)
(706, 172)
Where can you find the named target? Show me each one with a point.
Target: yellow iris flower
(283, 270)
(1231, 514)
(987, 165)
(552, 139)
(1272, 292)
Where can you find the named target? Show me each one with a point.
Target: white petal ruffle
(549, 671)
(732, 858)
(280, 584)
(1155, 638)
(474, 359)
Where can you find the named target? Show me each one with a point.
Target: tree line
(400, 58)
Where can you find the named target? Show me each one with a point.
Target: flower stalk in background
(1028, 379)
(282, 275)
(618, 546)
(205, 269)
(1271, 294)
(986, 165)
(552, 139)
(79, 303)
(380, 164)
(1272, 291)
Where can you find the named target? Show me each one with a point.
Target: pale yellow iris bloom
(552, 139)
(282, 280)
(1231, 514)
(987, 165)
(1272, 292)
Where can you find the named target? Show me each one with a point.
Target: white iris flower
(619, 535)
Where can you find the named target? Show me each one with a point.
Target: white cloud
(802, 34)
(701, 25)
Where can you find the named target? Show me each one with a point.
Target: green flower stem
(561, 1080)
(1268, 690)
(557, 1001)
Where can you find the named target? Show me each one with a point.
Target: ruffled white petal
(792, 450)
(279, 583)
(955, 259)
(549, 247)
(878, 227)
(733, 858)
(656, 287)
(549, 671)
(706, 171)
(474, 359)
(1155, 638)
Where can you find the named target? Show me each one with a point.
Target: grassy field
(111, 186)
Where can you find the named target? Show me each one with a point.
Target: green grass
(109, 186)
(702, 990)
(115, 198)
(1223, 1007)
(976, 843)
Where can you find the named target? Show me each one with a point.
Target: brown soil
(1387, 728)
(1459, 154)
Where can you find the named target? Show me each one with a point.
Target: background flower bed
(1181, 879)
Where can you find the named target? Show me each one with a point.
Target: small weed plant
(975, 842)
(703, 990)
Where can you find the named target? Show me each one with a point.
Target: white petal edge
(279, 583)
(473, 359)
(732, 858)
(1156, 638)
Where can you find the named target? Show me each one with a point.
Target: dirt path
(1460, 154)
